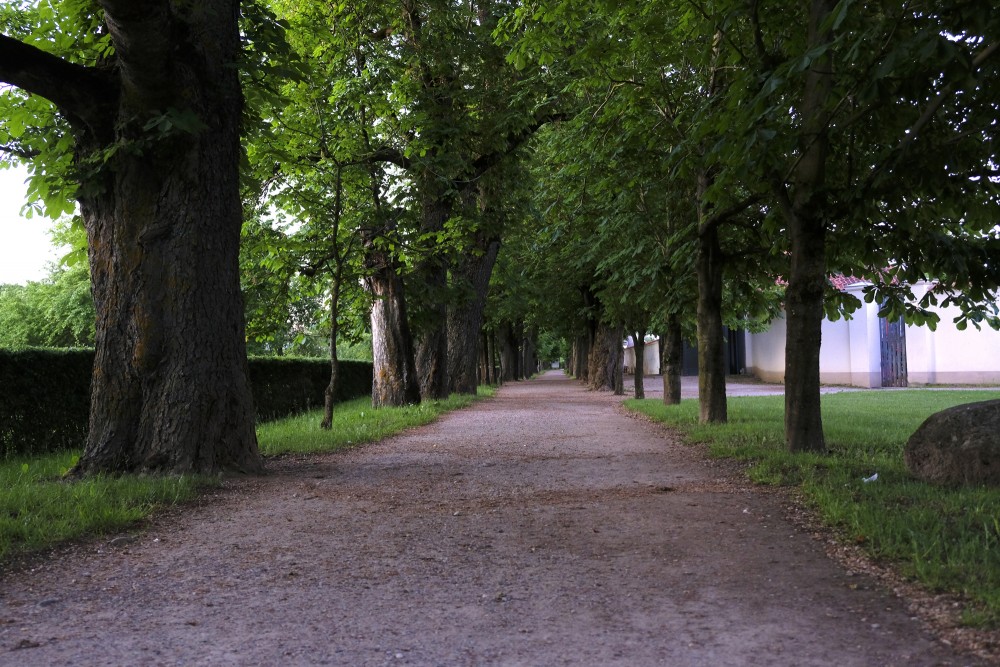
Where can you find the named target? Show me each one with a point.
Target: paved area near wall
(746, 386)
(541, 527)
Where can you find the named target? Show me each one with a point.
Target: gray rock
(960, 445)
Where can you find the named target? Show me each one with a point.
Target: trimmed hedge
(45, 394)
(286, 385)
(44, 400)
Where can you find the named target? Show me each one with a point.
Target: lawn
(947, 538)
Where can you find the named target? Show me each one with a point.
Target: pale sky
(25, 247)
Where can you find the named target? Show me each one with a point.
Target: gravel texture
(541, 527)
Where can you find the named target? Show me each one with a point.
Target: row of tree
(338, 147)
(734, 154)
(468, 178)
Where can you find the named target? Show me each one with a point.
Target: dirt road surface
(542, 527)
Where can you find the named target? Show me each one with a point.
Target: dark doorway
(892, 336)
(736, 354)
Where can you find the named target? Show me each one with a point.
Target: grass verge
(39, 509)
(354, 423)
(947, 538)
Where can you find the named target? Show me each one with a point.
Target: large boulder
(960, 445)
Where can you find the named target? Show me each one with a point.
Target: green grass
(947, 538)
(39, 509)
(354, 423)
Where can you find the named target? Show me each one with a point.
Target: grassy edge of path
(39, 509)
(945, 538)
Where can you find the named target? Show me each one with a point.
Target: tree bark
(711, 345)
(518, 341)
(493, 377)
(508, 352)
(330, 394)
(671, 359)
(170, 390)
(395, 375)
(639, 388)
(807, 278)
(529, 357)
(465, 316)
(605, 363)
(432, 339)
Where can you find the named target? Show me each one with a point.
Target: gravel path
(543, 527)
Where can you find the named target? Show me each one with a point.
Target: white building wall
(865, 364)
(949, 356)
(851, 351)
(651, 358)
(845, 356)
(766, 352)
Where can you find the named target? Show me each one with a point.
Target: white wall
(950, 356)
(766, 352)
(650, 357)
(849, 353)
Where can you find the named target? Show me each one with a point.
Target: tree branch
(513, 141)
(24, 154)
(725, 214)
(82, 93)
(390, 155)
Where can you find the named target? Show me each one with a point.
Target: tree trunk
(491, 356)
(170, 389)
(711, 345)
(330, 395)
(529, 357)
(671, 359)
(485, 376)
(395, 376)
(518, 341)
(640, 364)
(605, 363)
(465, 317)
(432, 273)
(807, 278)
(617, 360)
(508, 352)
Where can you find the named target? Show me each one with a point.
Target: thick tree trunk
(640, 364)
(617, 361)
(807, 278)
(170, 390)
(581, 356)
(804, 322)
(465, 317)
(395, 376)
(711, 345)
(671, 359)
(605, 363)
(432, 339)
(493, 377)
(529, 356)
(508, 352)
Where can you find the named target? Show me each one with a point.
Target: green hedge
(45, 394)
(286, 385)
(44, 400)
